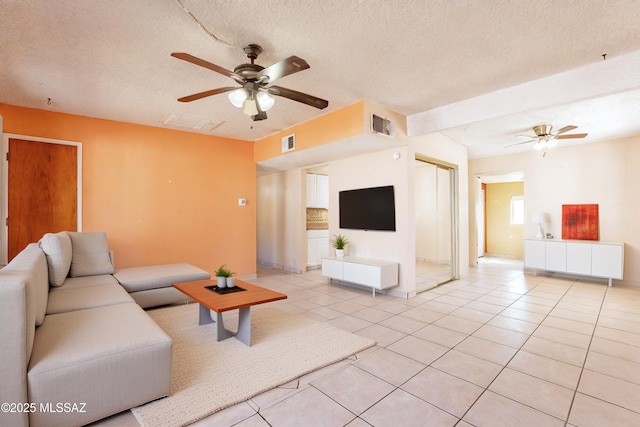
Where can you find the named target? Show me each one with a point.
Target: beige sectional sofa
(76, 347)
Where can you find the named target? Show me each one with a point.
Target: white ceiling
(479, 71)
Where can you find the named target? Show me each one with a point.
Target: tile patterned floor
(499, 348)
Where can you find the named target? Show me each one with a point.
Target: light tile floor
(499, 348)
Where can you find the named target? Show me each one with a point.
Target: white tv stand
(372, 273)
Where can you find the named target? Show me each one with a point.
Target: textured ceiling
(111, 59)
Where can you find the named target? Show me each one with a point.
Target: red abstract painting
(580, 222)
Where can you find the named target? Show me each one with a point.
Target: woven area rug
(209, 376)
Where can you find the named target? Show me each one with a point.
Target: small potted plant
(339, 242)
(231, 281)
(221, 276)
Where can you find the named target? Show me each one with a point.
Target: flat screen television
(368, 209)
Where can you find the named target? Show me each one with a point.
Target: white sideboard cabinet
(587, 258)
(375, 274)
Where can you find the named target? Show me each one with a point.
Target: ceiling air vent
(382, 126)
(289, 143)
(191, 123)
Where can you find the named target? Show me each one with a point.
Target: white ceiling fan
(546, 138)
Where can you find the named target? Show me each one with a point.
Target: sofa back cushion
(24, 289)
(90, 254)
(29, 270)
(57, 248)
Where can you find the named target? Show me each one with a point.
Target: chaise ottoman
(151, 286)
(103, 360)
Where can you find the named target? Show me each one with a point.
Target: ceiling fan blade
(208, 65)
(206, 93)
(298, 96)
(519, 143)
(291, 65)
(572, 136)
(565, 129)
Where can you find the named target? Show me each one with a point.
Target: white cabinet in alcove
(322, 191)
(317, 191)
(311, 190)
(317, 246)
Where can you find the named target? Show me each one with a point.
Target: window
(517, 210)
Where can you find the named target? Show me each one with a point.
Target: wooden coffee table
(210, 300)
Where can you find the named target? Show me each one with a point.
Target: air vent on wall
(289, 143)
(382, 126)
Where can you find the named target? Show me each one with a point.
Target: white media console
(372, 273)
(583, 257)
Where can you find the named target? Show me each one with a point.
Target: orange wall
(162, 196)
(340, 124)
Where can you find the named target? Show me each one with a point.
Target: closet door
(435, 225)
(426, 226)
(444, 224)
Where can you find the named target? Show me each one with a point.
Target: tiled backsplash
(317, 215)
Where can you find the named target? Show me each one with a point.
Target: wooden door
(42, 191)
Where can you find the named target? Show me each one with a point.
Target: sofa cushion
(64, 299)
(90, 254)
(57, 248)
(96, 357)
(158, 276)
(86, 281)
(157, 297)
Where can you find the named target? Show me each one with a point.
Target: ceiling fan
(255, 81)
(546, 138)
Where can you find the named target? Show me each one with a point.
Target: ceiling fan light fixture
(238, 97)
(265, 101)
(249, 107)
(540, 144)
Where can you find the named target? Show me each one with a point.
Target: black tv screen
(368, 209)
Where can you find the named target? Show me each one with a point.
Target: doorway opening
(499, 214)
(317, 215)
(436, 223)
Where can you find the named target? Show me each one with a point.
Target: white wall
(281, 197)
(604, 173)
(281, 242)
(375, 170)
(280, 210)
